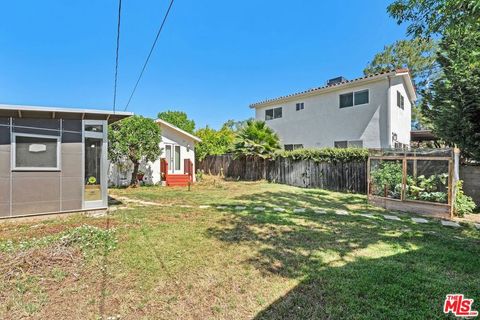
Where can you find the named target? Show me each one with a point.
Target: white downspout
(389, 102)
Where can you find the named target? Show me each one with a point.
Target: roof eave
(168, 124)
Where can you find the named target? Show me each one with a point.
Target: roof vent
(336, 80)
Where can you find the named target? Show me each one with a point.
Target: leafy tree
(427, 18)
(214, 142)
(179, 119)
(419, 56)
(454, 99)
(236, 125)
(135, 138)
(256, 139)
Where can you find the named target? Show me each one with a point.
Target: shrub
(462, 203)
(325, 154)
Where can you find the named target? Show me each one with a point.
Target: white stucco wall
(400, 119)
(121, 176)
(322, 121)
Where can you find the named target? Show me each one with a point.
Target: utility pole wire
(149, 54)
(116, 55)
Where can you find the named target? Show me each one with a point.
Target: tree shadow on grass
(352, 267)
(317, 198)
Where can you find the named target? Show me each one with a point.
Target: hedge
(325, 154)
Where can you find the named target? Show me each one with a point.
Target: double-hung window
(33, 152)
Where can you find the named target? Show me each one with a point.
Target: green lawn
(174, 260)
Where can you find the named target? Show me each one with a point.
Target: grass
(168, 261)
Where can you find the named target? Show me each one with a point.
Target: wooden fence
(347, 177)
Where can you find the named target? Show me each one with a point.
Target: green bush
(462, 203)
(325, 154)
(388, 174)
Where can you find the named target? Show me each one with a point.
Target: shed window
(36, 152)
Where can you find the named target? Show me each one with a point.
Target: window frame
(353, 98)
(299, 106)
(368, 97)
(273, 113)
(13, 152)
(340, 141)
(400, 100)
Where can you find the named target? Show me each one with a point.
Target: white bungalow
(174, 167)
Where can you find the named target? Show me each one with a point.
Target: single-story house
(53, 160)
(174, 167)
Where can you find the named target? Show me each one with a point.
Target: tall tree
(419, 56)
(179, 119)
(453, 102)
(256, 139)
(136, 139)
(236, 125)
(454, 99)
(427, 18)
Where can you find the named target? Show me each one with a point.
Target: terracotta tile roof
(253, 105)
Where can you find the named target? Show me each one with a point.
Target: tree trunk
(134, 181)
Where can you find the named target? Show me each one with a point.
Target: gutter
(389, 120)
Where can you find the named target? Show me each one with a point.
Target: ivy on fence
(329, 155)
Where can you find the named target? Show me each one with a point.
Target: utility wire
(149, 54)
(116, 55)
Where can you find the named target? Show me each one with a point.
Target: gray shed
(53, 160)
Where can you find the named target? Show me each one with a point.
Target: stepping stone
(341, 212)
(389, 217)
(446, 223)
(477, 225)
(221, 207)
(279, 209)
(204, 206)
(320, 211)
(185, 206)
(298, 210)
(366, 215)
(419, 220)
(259, 208)
(240, 208)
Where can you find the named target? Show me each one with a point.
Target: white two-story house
(372, 112)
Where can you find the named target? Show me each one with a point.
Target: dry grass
(191, 263)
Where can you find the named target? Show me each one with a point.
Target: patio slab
(453, 224)
(390, 217)
(366, 215)
(419, 220)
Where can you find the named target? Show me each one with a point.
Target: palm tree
(256, 139)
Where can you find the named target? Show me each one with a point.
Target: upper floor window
(400, 101)
(349, 144)
(290, 147)
(299, 106)
(354, 98)
(273, 113)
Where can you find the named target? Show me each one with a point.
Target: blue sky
(213, 58)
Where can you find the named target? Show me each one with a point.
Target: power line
(116, 55)
(149, 54)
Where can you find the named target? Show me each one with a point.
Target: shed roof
(185, 133)
(22, 111)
